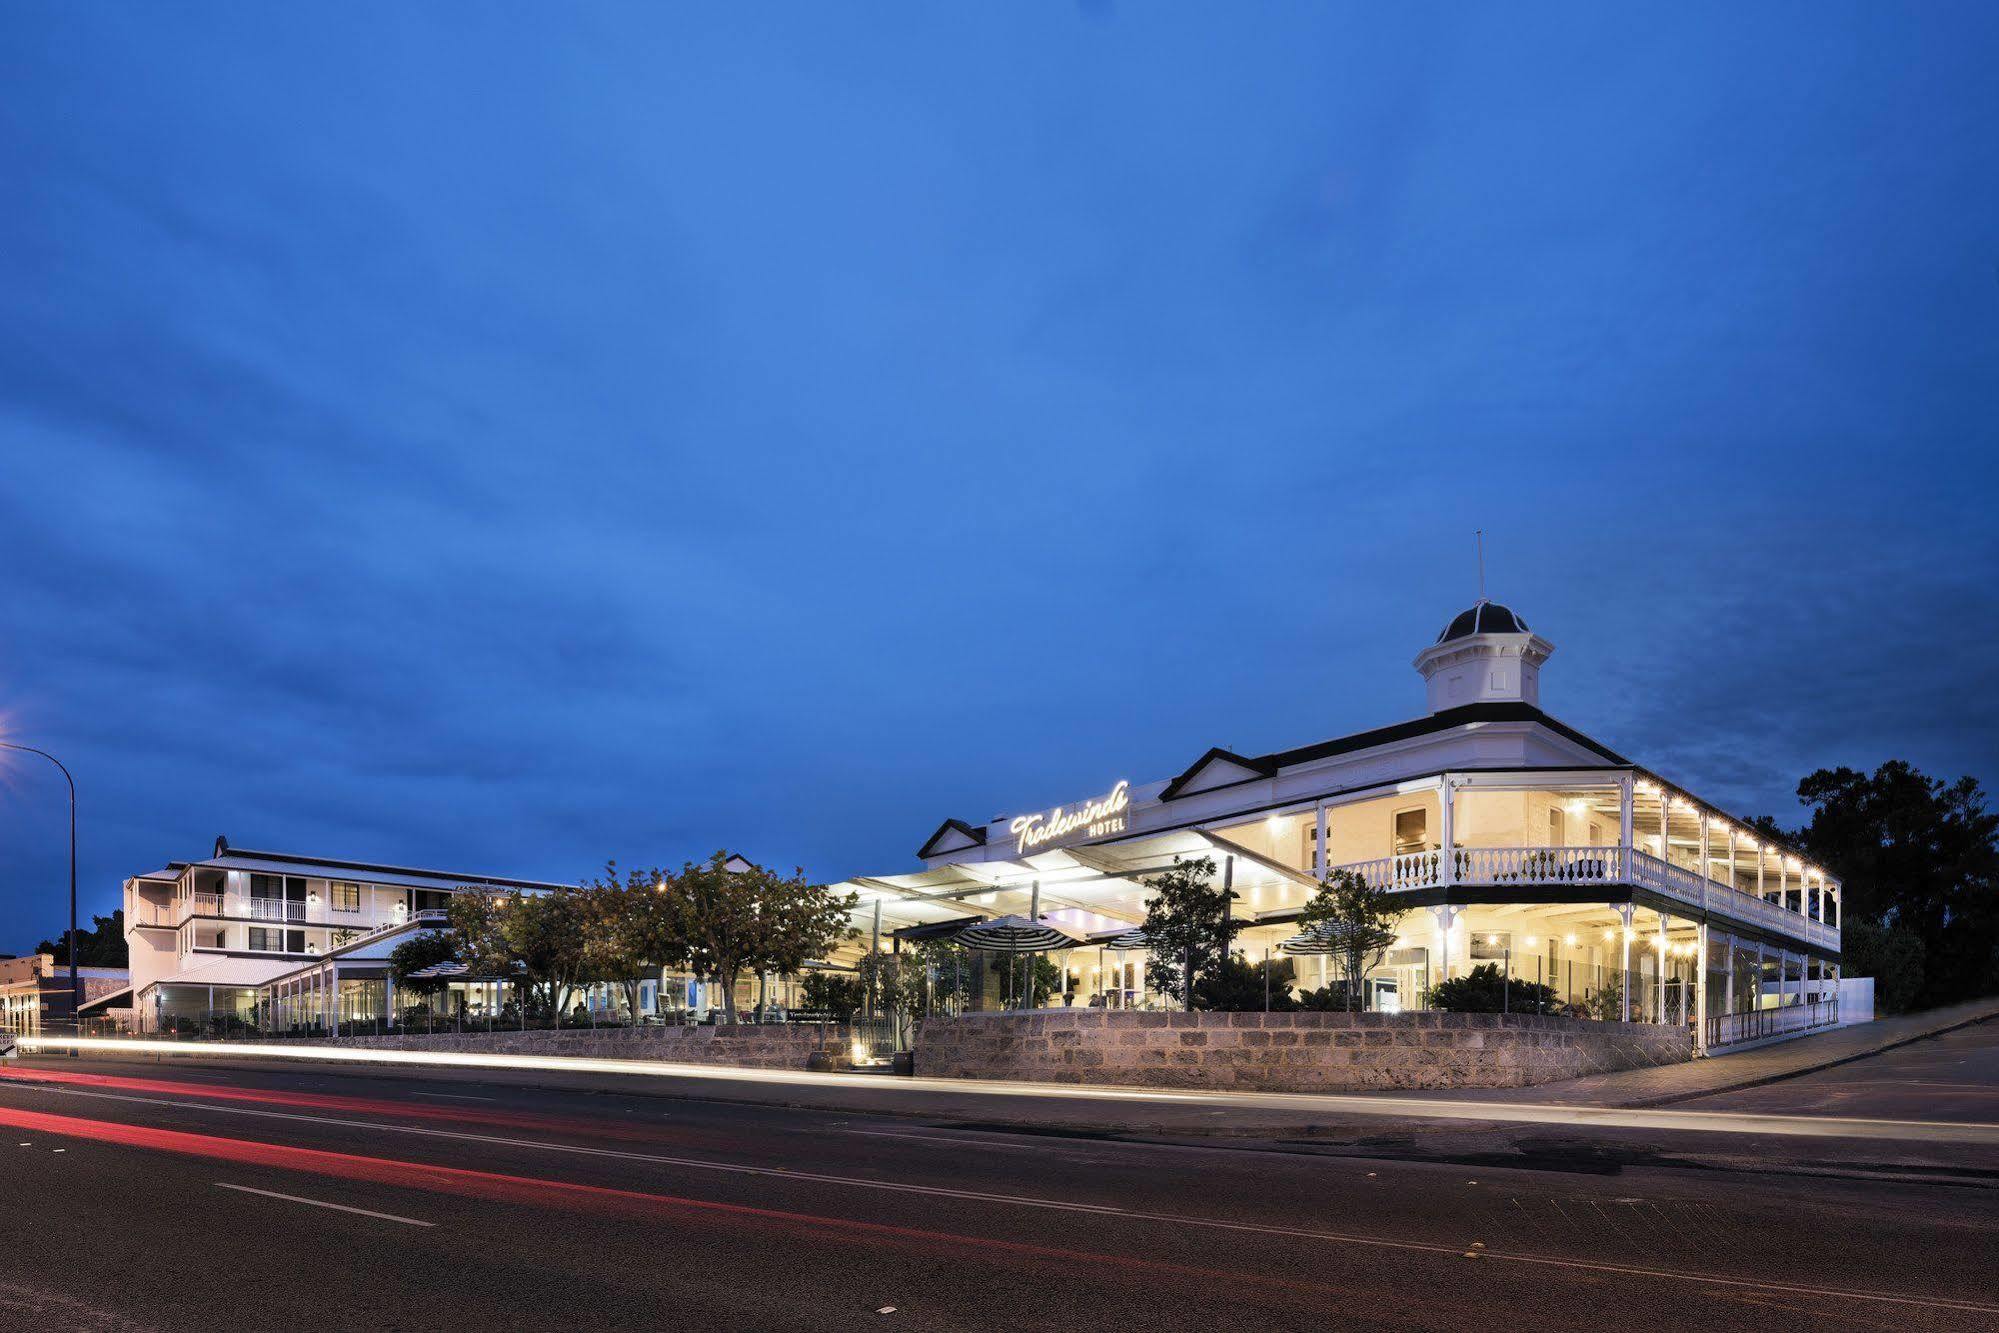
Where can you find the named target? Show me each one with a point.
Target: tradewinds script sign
(1093, 819)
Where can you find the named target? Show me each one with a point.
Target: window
(346, 896)
(1412, 831)
(1557, 828)
(268, 940)
(267, 886)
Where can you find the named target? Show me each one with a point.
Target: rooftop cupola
(1485, 655)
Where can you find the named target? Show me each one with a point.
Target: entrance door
(1386, 995)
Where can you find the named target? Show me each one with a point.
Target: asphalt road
(143, 1195)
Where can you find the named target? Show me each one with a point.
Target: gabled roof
(1448, 719)
(1234, 768)
(973, 837)
(1465, 715)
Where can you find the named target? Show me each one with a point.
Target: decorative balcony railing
(154, 914)
(1487, 866)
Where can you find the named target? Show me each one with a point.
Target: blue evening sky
(503, 437)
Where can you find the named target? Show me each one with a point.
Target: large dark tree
(1919, 857)
(103, 946)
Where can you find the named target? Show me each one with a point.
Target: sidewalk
(1666, 1084)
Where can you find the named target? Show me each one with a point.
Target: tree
(895, 981)
(836, 993)
(632, 928)
(754, 917)
(101, 946)
(535, 938)
(951, 968)
(423, 950)
(1187, 927)
(802, 922)
(1357, 920)
(1916, 854)
(1486, 990)
(1892, 955)
(1028, 980)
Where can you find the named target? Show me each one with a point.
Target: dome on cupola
(1485, 655)
(1484, 618)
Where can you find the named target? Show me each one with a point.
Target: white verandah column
(1447, 861)
(1626, 787)
(1700, 989)
(1624, 965)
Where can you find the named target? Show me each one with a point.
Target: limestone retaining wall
(1298, 1052)
(751, 1046)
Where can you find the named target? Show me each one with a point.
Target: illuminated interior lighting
(1569, 940)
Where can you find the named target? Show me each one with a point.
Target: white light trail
(1600, 1117)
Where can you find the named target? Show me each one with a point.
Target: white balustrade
(1486, 866)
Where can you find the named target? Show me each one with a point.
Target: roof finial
(1478, 540)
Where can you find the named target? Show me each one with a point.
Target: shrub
(1327, 999)
(1234, 986)
(1485, 990)
(836, 993)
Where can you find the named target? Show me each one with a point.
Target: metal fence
(1755, 1024)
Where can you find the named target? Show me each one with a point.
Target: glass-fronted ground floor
(1612, 961)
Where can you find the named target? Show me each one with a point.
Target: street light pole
(75, 990)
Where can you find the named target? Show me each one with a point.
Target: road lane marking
(939, 1138)
(1373, 1105)
(454, 1097)
(1767, 1285)
(321, 1203)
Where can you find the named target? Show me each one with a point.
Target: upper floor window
(1557, 828)
(1412, 830)
(346, 896)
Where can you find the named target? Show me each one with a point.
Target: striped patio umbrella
(1017, 934)
(1124, 939)
(1330, 938)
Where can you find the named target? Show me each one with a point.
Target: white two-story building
(243, 932)
(1511, 838)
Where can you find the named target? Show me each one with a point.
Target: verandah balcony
(1497, 866)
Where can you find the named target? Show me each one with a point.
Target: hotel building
(271, 938)
(1510, 837)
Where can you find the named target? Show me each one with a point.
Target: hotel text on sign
(1096, 819)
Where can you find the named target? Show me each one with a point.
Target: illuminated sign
(1095, 819)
